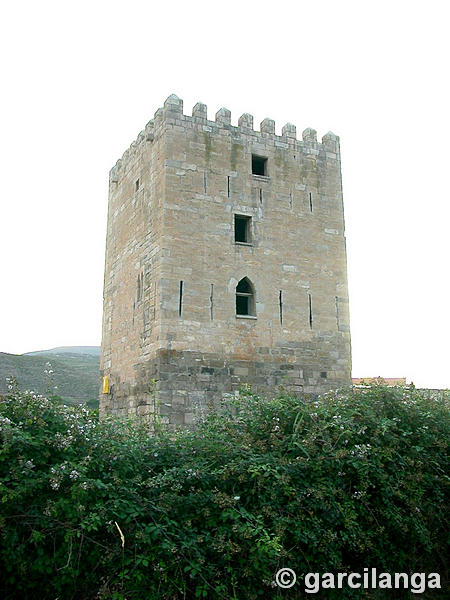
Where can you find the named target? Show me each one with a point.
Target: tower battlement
(172, 113)
(225, 264)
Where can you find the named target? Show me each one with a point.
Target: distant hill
(92, 350)
(76, 371)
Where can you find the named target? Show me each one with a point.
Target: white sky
(81, 79)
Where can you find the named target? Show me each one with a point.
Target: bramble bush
(89, 509)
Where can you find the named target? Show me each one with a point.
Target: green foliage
(355, 479)
(72, 375)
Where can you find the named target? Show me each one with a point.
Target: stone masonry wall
(182, 346)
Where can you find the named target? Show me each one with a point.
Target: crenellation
(199, 111)
(246, 121)
(223, 116)
(267, 126)
(309, 135)
(115, 172)
(330, 142)
(132, 149)
(172, 114)
(289, 131)
(173, 104)
(158, 119)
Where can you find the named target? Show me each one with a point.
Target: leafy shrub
(355, 479)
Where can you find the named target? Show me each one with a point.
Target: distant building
(389, 381)
(225, 265)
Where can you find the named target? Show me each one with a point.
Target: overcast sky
(81, 79)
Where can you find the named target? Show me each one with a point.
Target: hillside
(76, 374)
(92, 350)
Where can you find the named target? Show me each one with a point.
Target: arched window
(245, 298)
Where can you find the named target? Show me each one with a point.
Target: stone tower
(225, 265)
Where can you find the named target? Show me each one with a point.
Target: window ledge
(260, 177)
(246, 317)
(243, 244)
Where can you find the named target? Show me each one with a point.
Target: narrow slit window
(242, 229)
(245, 298)
(228, 186)
(310, 202)
(336, 300)
(136, 185)
(204, 182)
(280, 301)
(180, 300)
(139, 288)
(211, 302)
(260, 195)
(259, 165)
(310, 311)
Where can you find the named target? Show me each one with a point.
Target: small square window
(259, 165)
(242, 229)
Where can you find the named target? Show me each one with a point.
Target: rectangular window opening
(242, 229)
(243, 305)
(180, 302)
(136, 185)
(259, 165)
(323, 374)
